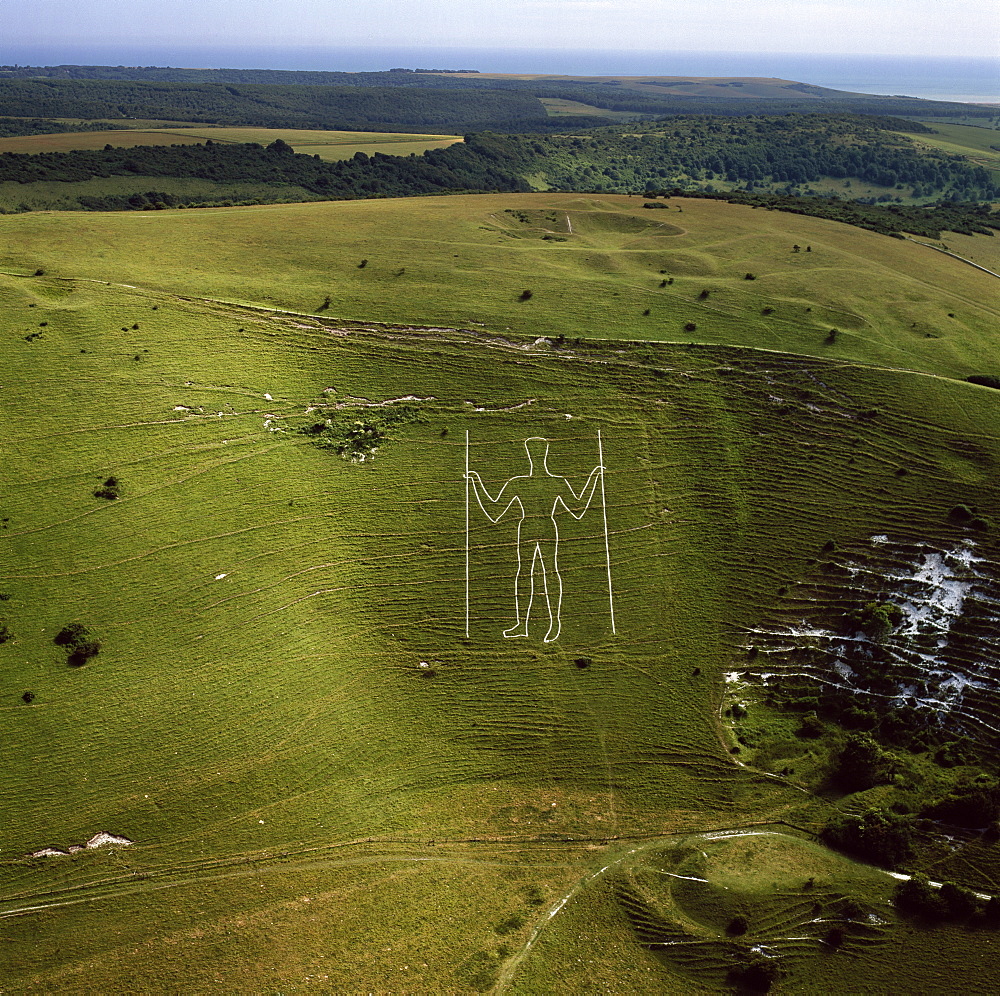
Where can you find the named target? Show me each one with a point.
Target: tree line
(681, 156)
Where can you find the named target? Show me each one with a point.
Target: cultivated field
(333, 768)
(557, 107)
(329, 145)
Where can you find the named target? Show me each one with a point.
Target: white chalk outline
(473, 480)
(607, 542)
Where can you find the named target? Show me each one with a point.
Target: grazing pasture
(977, 145)
(303, 713)
(597, 266)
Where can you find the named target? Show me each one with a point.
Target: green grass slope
(594, 266)
(329, 783)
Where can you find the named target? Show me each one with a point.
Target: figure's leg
(553, 589)
(524, 588)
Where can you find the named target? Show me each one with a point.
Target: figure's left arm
(578, 504)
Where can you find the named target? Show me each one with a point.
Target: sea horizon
(964, 80)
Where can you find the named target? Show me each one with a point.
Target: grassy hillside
(977, 145)
(594, 266)
(329, 781)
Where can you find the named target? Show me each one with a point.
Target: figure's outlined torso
(539, 497)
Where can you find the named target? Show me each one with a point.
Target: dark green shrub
(876, 835)
(508, 926)
(862, 764)
(974, 803)
(984, 380)
(962, 903)
(875, 619)
(28, 697)
(110, 488)
(79, 642)
(71, 634)
(757, 975)
(918, 897)
(961, 513)
(951, 754)
(811, 728)
(738, 926)
(81, 654)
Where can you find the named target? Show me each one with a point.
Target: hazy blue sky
(900, 27)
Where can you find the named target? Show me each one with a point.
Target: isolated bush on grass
(757, 975)
(79, 643)
(110, 489)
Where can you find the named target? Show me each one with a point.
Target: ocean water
(974, 80)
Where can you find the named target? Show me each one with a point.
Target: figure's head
(537, 449)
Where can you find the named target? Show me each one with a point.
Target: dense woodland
(347, 108)
(398, 100)
(762, 161)
(12, 127)
(782, 153)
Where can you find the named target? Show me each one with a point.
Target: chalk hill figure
(539, 497)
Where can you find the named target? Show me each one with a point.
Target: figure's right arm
(479, 488)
